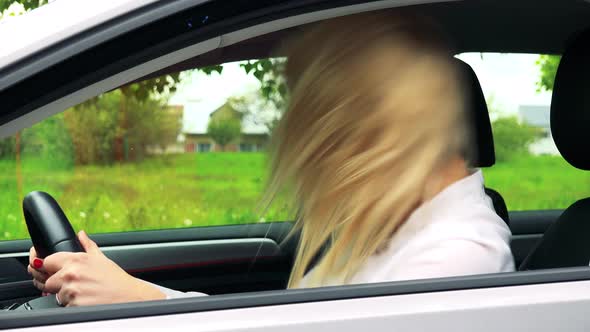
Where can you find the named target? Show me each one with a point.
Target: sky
(508, 80)
(201, 94)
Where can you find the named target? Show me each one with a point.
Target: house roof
(535, 115)
(195, 120)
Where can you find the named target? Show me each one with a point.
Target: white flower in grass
(106, 215)
(83, 215)
(188, 222)
(262, 220)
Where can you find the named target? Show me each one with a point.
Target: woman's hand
(88, 278)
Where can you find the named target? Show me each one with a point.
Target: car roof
(38, 28)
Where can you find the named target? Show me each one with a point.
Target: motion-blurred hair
(375, 107)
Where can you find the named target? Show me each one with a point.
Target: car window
(529, 172)
(189, 149)
(182, 150)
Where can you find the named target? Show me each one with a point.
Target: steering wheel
(50, 232)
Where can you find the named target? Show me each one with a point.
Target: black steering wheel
(50, 232)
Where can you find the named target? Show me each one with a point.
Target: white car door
(533, 307)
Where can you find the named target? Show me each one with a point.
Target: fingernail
(37, 263)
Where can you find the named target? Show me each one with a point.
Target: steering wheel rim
(50, 232)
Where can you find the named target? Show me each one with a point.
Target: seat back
(484, 154)
(566, 243)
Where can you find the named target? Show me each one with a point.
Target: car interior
(258, 257)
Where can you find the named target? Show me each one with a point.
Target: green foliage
(7, 146)
(512, 138)
(273, 88)
(192, 190)
(538, 182)
(210, 69)
(28, 4)
(548, 68)
(51, 141)
(224, 130)
(152, 88)
(48, 139)
(160, 192)
(269, 73)
(95, 126)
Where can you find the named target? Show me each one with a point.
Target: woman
(373, 148)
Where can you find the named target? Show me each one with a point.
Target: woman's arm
(91, 278)
(174, 294)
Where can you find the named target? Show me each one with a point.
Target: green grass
(538, 183)
(192, 190)
(186, 190)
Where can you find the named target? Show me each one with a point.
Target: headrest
(477, 114)
(570, 103)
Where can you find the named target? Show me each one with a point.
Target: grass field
(223, 188)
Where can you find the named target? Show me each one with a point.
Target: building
(253, 138)
(539, 116)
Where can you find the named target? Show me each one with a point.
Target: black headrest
(477, 112)
(570, 104)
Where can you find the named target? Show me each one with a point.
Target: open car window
(189, 149)
(181, 150)
(529, 172)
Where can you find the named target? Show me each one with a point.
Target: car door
(243, 257)
(60, 69)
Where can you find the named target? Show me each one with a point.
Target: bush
(512, 138)
(96, 126)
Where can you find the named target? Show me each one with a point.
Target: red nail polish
(37, 263)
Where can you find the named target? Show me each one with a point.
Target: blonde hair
(375, 107)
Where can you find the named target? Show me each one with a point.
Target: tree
(269, 73)
(253, 109)
(94, 127)
(224, 130)
(512, 138)
(27, 4)
(273, 90)
(548, 68)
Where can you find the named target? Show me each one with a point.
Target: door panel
(225, 259)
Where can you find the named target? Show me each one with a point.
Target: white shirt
(455, 233)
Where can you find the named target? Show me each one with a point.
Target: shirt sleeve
(455, 257)
(174, 294)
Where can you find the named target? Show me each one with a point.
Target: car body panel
(38, 30)
(519, 308)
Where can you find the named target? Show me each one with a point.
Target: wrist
(148, 292)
